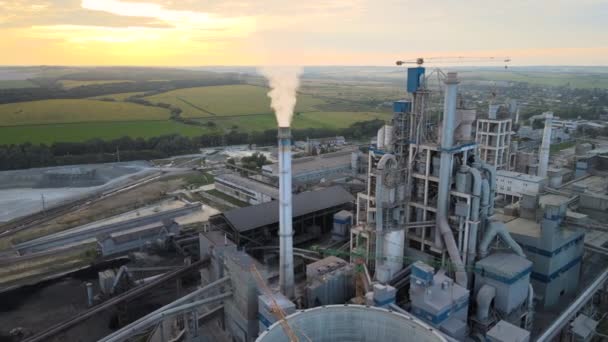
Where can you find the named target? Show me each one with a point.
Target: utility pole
(43, 204)
(117, 154)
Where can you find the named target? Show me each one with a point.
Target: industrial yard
(436, 229)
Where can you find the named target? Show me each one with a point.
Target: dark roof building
(307, 206)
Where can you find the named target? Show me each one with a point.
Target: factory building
(310, 170)
(313, 214)
(555, 249)
(512, 185)
(246, 189)
(328, 142)
(153, 235)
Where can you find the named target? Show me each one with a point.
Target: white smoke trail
(284, 82)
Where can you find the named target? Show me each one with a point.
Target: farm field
(244, 108)
(69, 111)
(226, 101)
(599, 80)
(261, 122)
(75, 132)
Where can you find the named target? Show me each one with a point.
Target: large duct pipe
(485, 198)
(474, 216)
(545, 147)
(389, 245)
(497, 228)
(484, 299)
(286, 277)
(491, 170)
(445, 173)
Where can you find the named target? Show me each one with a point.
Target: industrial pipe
(485, 198)
(445, 172)
(389, 245)
(545, 146)
(491, 170)
(178, 302)
(286, 276)
(485, 295)
(474, 216)
(530, 315)
(134, 328)
(497, 228)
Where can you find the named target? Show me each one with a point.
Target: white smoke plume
(284, 82)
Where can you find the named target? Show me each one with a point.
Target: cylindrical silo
(352, 323)
(380, 138)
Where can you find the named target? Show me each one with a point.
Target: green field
(64, 111)
(226, 101)
(599, 80)
(244, 108)
(74, 132)
(69, 84)
(88, 130)
(251, 123)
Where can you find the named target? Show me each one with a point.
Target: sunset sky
(306, 32)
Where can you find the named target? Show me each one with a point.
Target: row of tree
(126, 148)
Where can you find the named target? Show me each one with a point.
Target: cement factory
(439, 229)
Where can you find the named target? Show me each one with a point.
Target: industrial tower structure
(493, 136)
(428, 201)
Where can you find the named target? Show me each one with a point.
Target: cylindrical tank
(380, 138)
(388, 136)
(352, 323)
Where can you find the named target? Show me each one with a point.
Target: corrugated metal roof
(244, 219)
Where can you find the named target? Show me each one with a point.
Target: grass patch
(68, 111)
(227, 100)
(562, 146)
(77, 132)
(201, 179)
(227, 198)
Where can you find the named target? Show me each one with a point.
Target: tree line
(30, 155)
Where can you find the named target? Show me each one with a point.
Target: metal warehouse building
(312, 215)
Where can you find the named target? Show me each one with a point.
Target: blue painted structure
(414, 78)
(402, 106)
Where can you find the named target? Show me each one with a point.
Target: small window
(561, 293)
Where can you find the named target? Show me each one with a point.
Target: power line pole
(43, 204)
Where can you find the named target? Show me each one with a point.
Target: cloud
(20, 13)
(199, 32)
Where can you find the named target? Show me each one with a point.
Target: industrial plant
(441, 228)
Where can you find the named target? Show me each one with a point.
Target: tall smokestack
(545, 147)
(285, 214)
(445, 174)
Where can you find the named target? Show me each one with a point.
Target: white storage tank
(352, 323)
